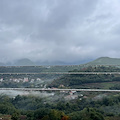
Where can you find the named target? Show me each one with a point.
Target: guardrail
(62, 73)
(45, 89)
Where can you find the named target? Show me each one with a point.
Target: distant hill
(2, 64)
(105, 61)
(70, 66)
(24, 62)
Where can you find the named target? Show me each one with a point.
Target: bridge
(51, 89)
(97, 65)
(29, 73)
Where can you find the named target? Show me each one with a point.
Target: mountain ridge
(105, 61)
(98, 61)
(24, 62)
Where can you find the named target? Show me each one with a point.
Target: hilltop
(24, 62)
(64, 66)
(105, 61)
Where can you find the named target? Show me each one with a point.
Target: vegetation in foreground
(91, 107)
(36, 108)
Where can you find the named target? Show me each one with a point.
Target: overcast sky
(59, 30)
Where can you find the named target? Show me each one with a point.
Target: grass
(103, 85)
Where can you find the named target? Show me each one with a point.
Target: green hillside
(105, 61)
(27, 65)
(24, 62)
(77, 80)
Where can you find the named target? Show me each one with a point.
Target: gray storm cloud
(59, 30)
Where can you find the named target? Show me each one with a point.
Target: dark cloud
(63, 30)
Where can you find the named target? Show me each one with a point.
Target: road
(13, 73)
(50, 89)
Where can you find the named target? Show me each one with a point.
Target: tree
(87, 114)
(40, 113)
(65, 118)
(15, 116)
(56, 115)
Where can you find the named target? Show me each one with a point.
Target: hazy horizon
(59, 30)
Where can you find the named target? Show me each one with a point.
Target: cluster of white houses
(25, 79)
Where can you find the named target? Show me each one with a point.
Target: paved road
(62, 73)
(45, 89)
(58, 65)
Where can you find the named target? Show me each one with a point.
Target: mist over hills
(2, 64)
(24, 62)
(28, 62)
(98, 61)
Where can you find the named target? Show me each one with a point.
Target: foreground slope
(77, 80)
